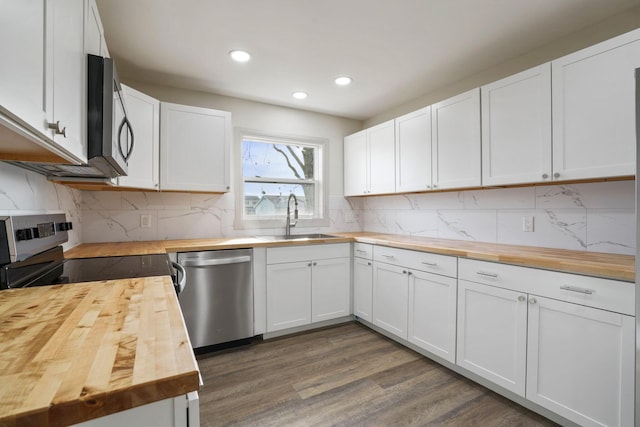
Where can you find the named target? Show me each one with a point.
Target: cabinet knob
(556, 175)
(315, 263)
(56, 128)
(409, 273)
(369, 263)
(545, 176)
(309, 265)
(521, 298)
(404, 271)
(532, 301)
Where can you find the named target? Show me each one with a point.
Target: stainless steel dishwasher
(217, 302)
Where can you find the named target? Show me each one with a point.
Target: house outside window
(271, 168)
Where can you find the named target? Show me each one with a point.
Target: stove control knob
(35, 232)
(24, 234)
(64, 226)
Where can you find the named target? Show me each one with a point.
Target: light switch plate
(527, 224)
(145, 221)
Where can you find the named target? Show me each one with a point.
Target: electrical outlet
(145, 221)
(527, 224)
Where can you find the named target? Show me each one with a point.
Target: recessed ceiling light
(300, 95)
(343, 80)
(240, 55)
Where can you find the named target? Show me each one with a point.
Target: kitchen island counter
(76, 352)
(597, 264)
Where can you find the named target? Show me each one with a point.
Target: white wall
(23, 193)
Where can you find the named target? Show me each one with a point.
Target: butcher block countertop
(610, 266)
(75, 352)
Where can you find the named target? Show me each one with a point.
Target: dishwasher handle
(218, 261)
(183, 281)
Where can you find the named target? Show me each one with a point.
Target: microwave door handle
(125, 121)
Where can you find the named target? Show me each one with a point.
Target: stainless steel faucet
(287, 229)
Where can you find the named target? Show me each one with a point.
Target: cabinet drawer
(309, 252)
(595, 292)
(363, 250)
(417, 260)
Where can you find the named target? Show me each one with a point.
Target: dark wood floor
(345, 376)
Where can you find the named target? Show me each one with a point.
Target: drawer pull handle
(361, 251)
(574, 289)
(521, 298)
(484, 273)
(388, 256)
(430, 264)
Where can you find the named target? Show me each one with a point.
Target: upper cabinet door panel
(22, 68)
(413, 151)
(594, 110)
(456, 141)
(69, 75)
(516, 128)
(143, 112)
(355, 164)
(194, 148)
(382, 176)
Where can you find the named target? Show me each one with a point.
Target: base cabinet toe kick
(560, 344)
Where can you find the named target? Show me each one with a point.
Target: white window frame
(321, 209)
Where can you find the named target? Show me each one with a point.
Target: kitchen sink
(310, 236)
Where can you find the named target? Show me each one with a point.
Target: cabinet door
(516, 128)
(194, 148)
(492, 334)
(22, 68)
(330, 289)
(432, 313)
(390, 298)
(143, 112)
(413, 151)
(594, 110)
(288, 295)
(456, 141)
(580, 362)
(68, 102)
(382, 167)
(94, 41)
(355, 164)
(363, 288)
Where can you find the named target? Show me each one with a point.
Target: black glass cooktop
(57, 271)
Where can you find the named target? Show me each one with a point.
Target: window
(273, 167)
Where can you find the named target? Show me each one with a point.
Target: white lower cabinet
(288, 295)
(390, 298)
(330, 289)
(492, 334)
(313, 287)
(580, 362)
(363, 281)
(570, 338)
(432, 313)
(180, 411)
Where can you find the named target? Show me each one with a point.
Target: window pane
(264, 159)
(269, 199)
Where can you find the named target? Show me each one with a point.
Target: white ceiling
(395, 50)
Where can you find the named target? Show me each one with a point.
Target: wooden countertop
(610, 266)
(75, 352)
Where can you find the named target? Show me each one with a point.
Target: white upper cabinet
(456, 141)
(382, 178)
(516, 128)
(67, 103)
(369, 165)
(195, 148)
(594, 110)
(43, 76)
(413, 151)
(22, 69)
(143, 112)
(355, 164)
(94, 40)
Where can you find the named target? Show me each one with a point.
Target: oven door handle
(183, 281)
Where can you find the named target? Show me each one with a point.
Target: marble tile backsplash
(115, 216)
(598, 217)
(24, 193)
